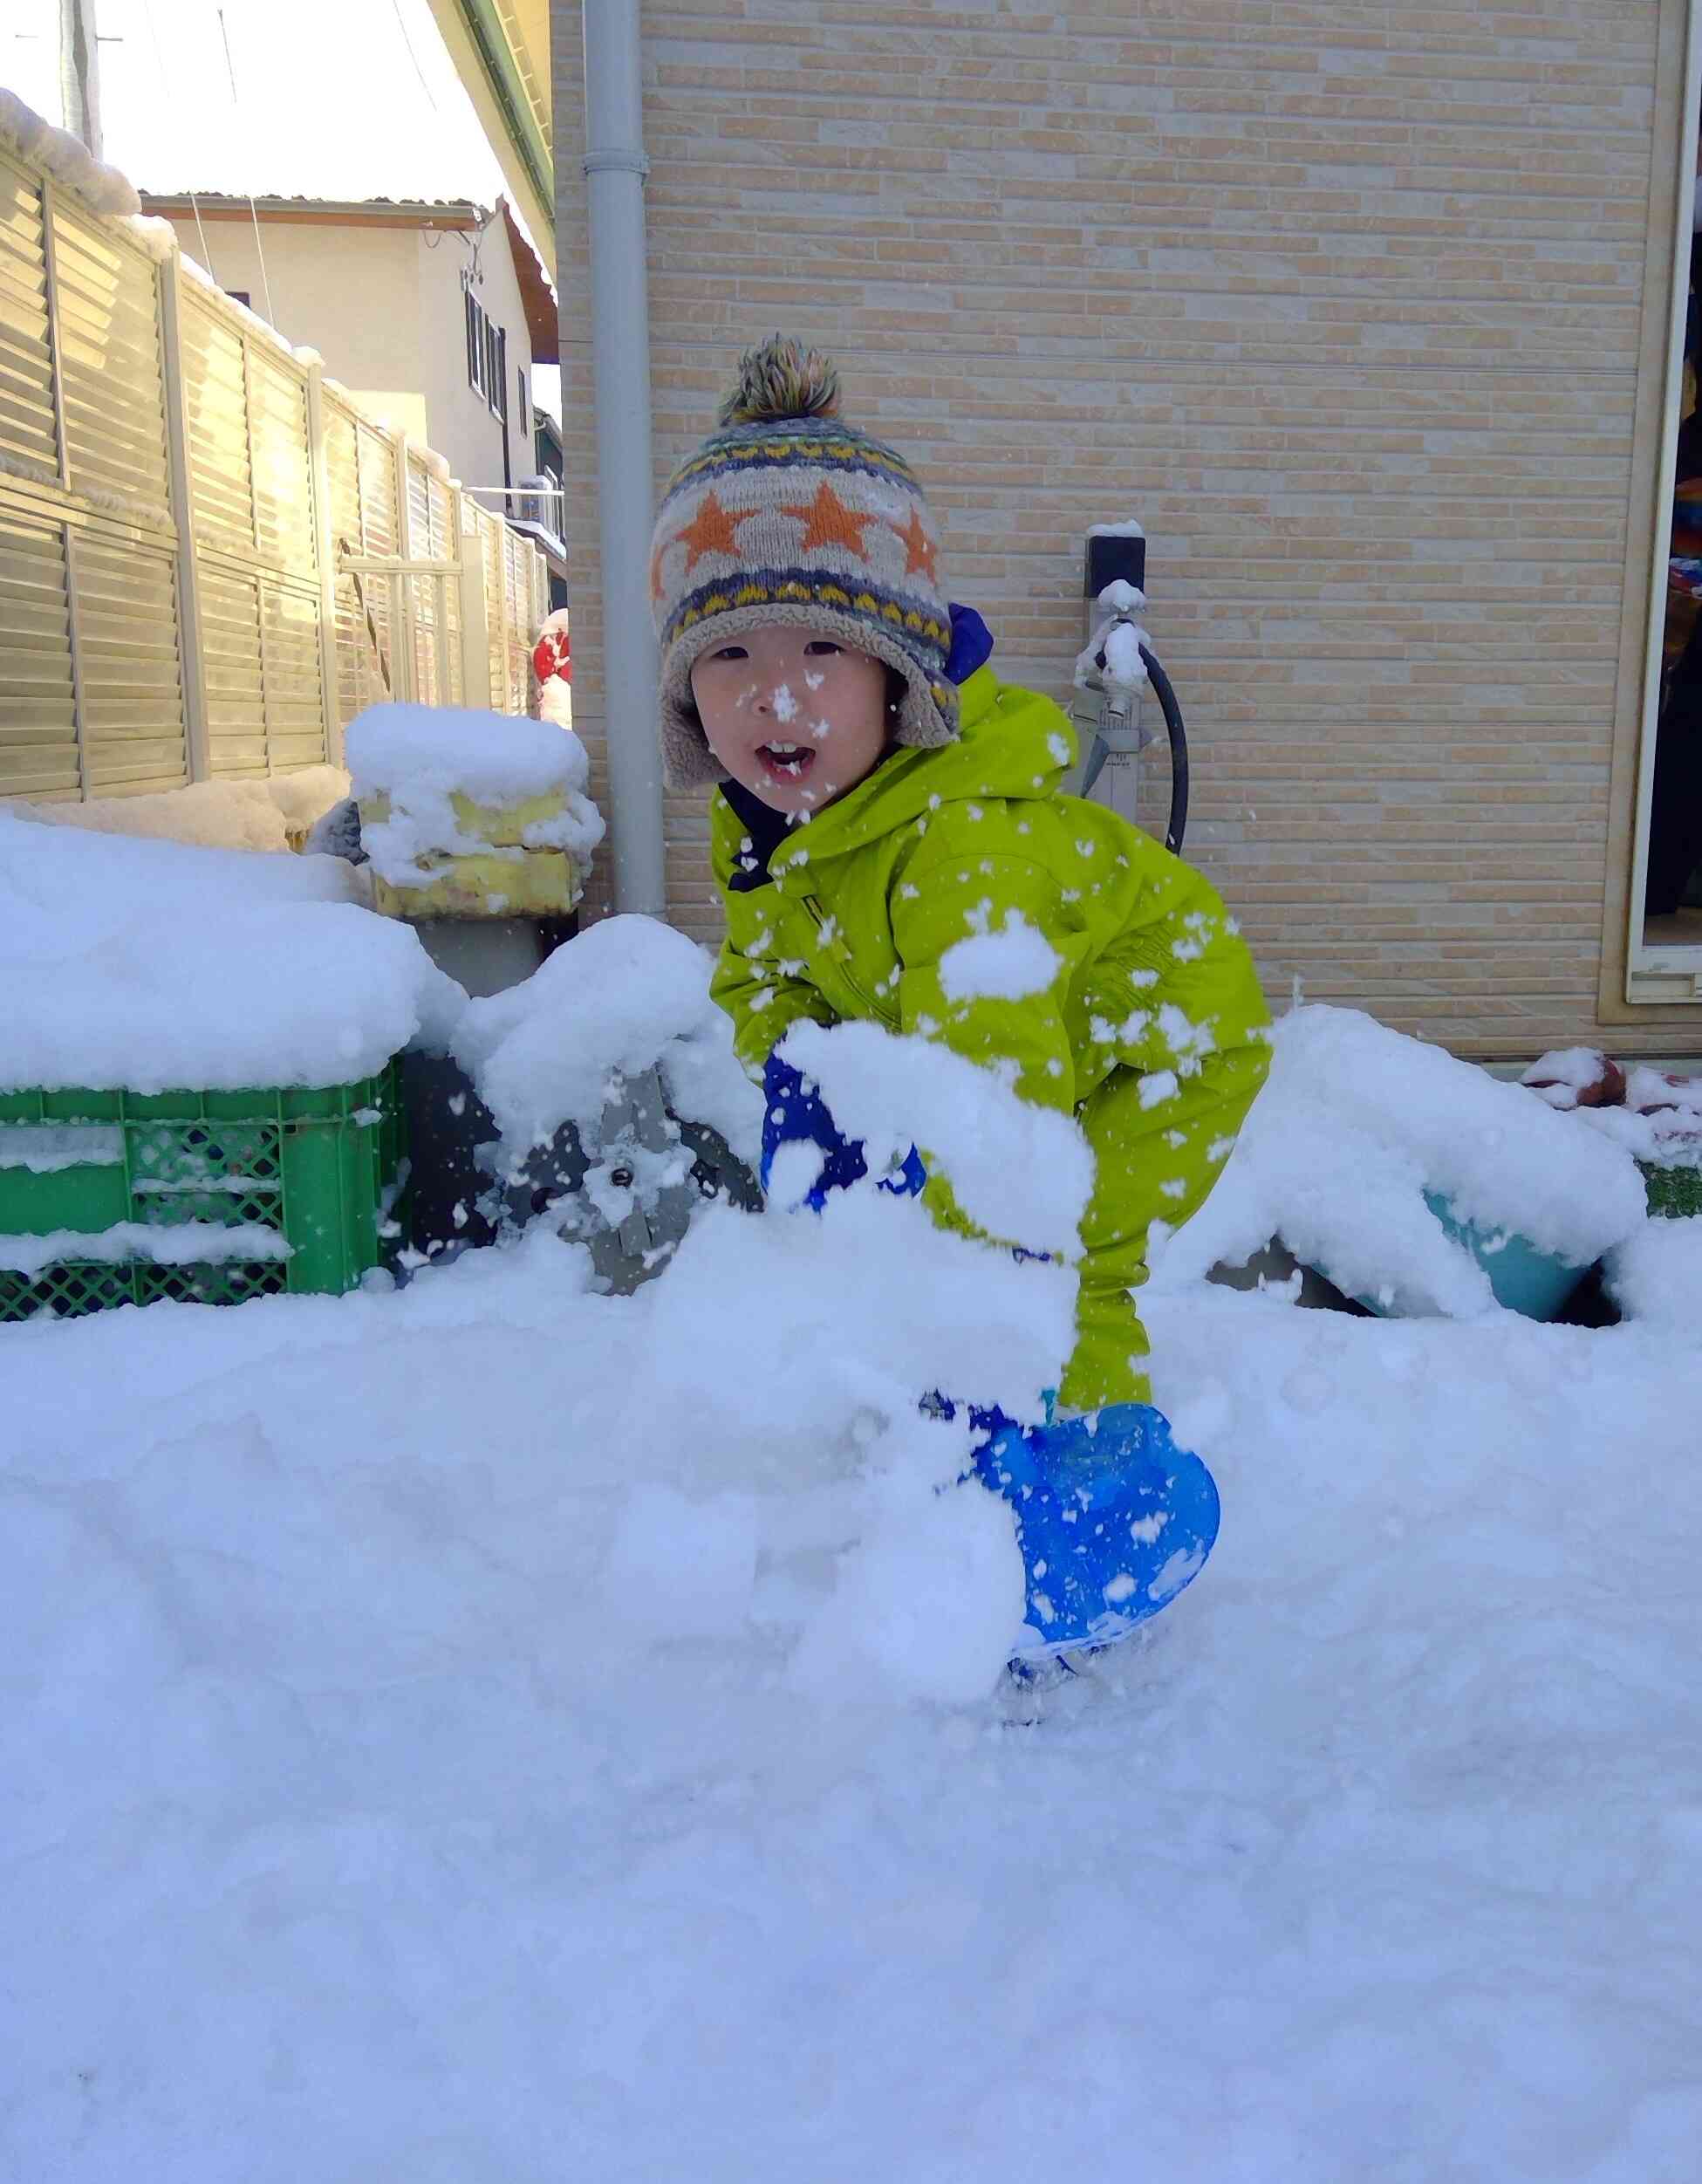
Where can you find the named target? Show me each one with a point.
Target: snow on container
(114, 1197)
(471, 815)
(196, 1069)
(1414, 1181)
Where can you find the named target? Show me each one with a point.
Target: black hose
(1178, 752)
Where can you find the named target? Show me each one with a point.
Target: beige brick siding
(1342, 301)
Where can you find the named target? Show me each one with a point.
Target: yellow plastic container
(538, 883)
(507, 880)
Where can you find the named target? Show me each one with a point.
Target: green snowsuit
(1152, 1033)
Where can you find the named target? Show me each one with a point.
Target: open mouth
(791, 761)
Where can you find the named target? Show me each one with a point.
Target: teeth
(785, 750)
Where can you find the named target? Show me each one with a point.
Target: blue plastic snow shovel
(1112, 1517)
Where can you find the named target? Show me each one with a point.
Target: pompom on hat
(788, 514)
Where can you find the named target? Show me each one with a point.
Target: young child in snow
(812, 670)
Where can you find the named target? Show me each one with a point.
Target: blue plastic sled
(1112, 1523)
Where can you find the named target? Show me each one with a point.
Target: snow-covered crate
(1675, 1188)
(121, 1197)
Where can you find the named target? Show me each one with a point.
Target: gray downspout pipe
(615, 168)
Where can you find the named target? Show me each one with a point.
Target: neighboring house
(538, 513)
(435, 315)
(1367, 315)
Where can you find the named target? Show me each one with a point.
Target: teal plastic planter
(1523, 1278)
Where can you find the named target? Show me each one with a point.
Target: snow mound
(213, 814)
(151, 965)
(625, 994)
(1355, 1125)
(1656, 1275)
(1020, 1172)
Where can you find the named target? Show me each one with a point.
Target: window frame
(1659, 973)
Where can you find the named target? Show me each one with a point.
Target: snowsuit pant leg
(1152, 1160)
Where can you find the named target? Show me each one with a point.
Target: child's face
(795, 718)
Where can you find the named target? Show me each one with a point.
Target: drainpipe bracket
(614, 162)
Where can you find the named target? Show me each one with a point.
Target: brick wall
(1342, 301)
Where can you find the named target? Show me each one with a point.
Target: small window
(476, 331)
(520, 416)
(240, 296)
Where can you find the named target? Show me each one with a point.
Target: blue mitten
(795, 1113)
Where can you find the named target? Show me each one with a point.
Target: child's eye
(730, 652)
(819, 646)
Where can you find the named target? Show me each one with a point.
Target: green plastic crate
(312, 1165)
(1673, 1192)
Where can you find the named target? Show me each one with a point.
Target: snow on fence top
(147, 966)
(1355, 1124)
(65, 158)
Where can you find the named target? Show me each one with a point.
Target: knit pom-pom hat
(788, 514)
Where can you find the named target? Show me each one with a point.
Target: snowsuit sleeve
(763, 995)
(948, 895)
(1158, 1049)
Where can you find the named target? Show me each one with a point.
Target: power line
(402, 26)
(254, 213)
(165, 92)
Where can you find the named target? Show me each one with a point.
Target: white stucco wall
(383, 306)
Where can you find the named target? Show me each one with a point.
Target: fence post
(191, 663)
(475, 622)
(406, 648)
(324, 550)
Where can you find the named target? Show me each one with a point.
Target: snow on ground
(1657, 1275)
(474, 1732)
(494, 1732)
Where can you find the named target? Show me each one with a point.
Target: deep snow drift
(496, 1733)
(474, 1734)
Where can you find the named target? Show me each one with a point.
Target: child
(811, 668)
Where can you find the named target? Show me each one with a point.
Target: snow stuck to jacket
(151, 965)
(1355, 1125)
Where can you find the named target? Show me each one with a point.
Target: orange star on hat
(921, 548)
(827, 521)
